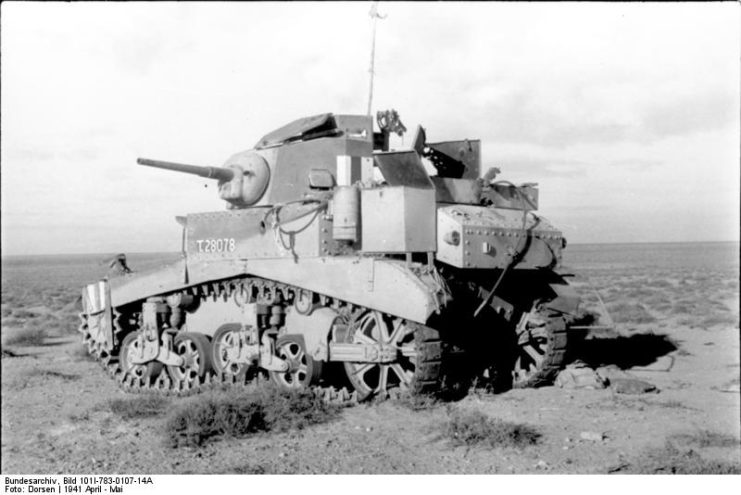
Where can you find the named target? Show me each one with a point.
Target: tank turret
(241, 183)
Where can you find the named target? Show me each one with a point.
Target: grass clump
(473, 428)
(672, 460)
(41, 373)
(417, 402)
(707, 438)
(238, 414)
(143, 406)
(25, 337)
(625, 312)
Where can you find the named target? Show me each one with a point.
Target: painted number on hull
(227, 244)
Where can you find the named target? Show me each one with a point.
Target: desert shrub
(707, 438)
(660, 283)
(237, 414)
(22, 314)
(142, 406)
(672, 460)
(473, 428)
(295, 410)
(10, 322)
(79, 417)
(624, 312)
(417, 402)
(68, 377)
(722, 319)
(25, 337)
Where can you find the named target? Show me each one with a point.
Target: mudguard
(386, 285)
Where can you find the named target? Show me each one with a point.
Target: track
(541, 348)
(429, 362)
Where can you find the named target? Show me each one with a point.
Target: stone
(578, 375)
(632, 386)
(592, 436)
(610, 372)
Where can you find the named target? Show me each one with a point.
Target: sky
(626, 115)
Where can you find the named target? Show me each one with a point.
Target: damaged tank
(346, 267)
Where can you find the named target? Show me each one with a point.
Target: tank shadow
(621, 351)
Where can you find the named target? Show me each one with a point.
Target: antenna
(374, 16)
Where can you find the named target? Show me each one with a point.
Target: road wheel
(195, 350)
(148, 372)
(225, 351)
(303, 370)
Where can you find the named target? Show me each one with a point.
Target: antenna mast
(374, 16)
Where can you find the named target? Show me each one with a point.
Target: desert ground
(676, 326)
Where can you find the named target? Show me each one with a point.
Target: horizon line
(100, 253)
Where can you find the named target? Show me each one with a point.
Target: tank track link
(262, 291)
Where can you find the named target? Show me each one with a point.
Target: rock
(542, 465)
(610, 372)
(632, 386)
(578, 375)
(592, 436)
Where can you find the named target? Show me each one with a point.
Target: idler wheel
(195, 350)
(225, 351)
(148, 372)
(302, 371)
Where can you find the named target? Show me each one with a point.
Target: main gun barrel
(221, 174)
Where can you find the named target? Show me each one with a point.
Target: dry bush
(707, 438)
(67, 377)
(672, 460)
(25, 337)
(238, 413)
(629, 312)
(473, 428)
(723, 319)
(142, 406)
(23, 314)
(418, 402)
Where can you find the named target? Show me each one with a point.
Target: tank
(345, 267)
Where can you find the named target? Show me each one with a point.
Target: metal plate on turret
(252, 233)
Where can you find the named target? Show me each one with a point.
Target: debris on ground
(578, 375)
(592, 436)
(611, 372)
(632, 386)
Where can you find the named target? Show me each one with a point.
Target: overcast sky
(627, 115)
